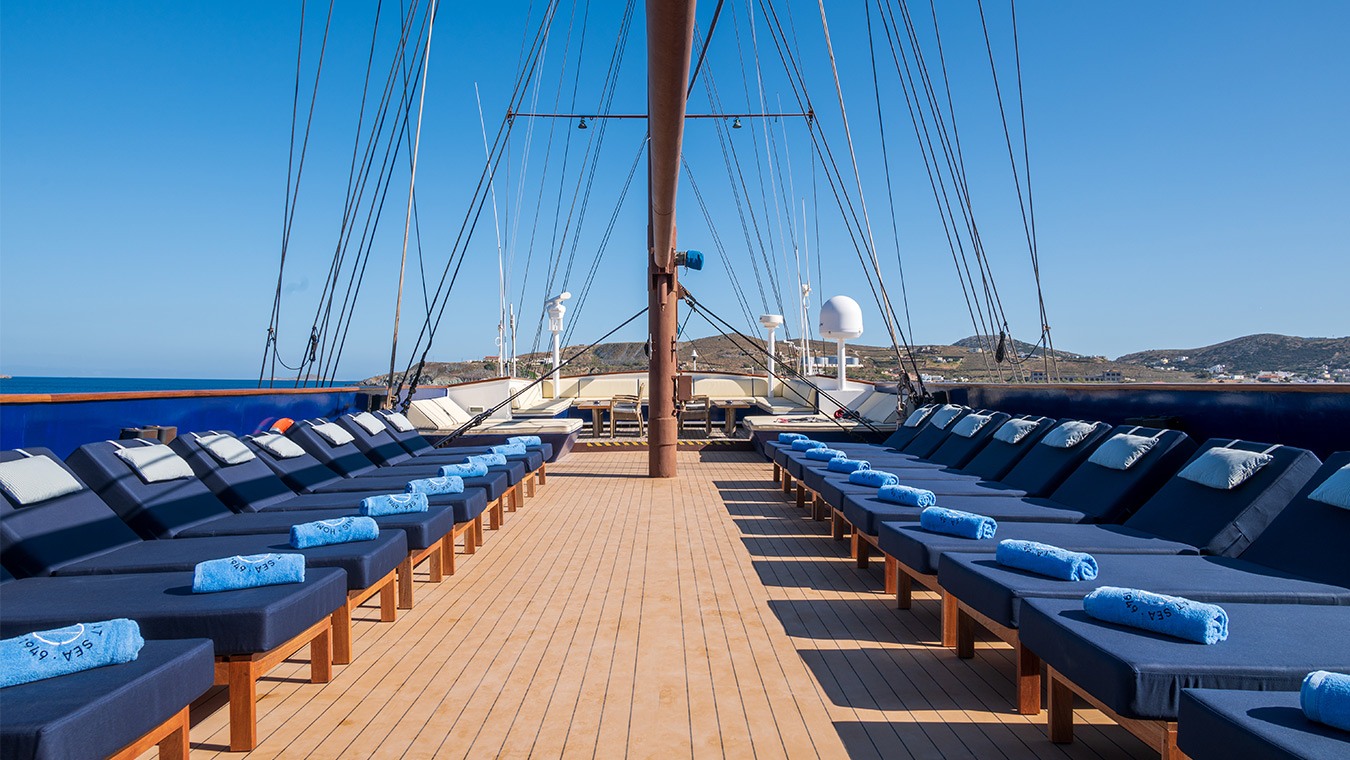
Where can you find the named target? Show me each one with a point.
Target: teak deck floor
(618, 615)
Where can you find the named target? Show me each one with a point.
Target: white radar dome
(841, 319)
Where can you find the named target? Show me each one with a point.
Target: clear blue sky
(1190, 168)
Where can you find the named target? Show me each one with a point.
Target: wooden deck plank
(699, 617)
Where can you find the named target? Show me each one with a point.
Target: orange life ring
(281, 425)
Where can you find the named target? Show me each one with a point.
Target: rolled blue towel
(1044, 559)
(954, 522)
(525, 440)
(788, 438)
(249, 571)
(343, 530)
(393, 504)
(874, 478)
(489, 460)
(1172, 615)
(83, 646)
(1325, 698)
(907, 496)
(464, 470)
(806, 444)
(824, 455)
(508, 450)
(433, 486)
(844, 464)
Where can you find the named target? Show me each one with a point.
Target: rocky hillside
(963, 362)
(1254, 353)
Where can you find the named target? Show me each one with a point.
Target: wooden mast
(670, 40)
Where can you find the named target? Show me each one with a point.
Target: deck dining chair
(625, 408)
(697, 409)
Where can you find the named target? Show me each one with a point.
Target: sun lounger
(253, 630)
(954, 452)
(267, 504)
(78, 534)
(993, 461)
(1136, 677)
(1041, 472)
(1271, 564)
(348, 460)
(1218, 724)
(904, 433)
(356, 472)
(922, 445)
(118, 711)
(385, 450)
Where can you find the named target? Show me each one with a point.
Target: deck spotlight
(689, 259)
(737, 123)
(582, 124)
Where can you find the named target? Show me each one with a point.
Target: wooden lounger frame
(1158, 734)
(899, 580)
(387, 588)
(240, 674)
(171, 736)
(1028, 677)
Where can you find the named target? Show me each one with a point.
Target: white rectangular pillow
(971, 424)
(333, 433)
(1335, 490)
(918, 416)
(34, 479)
(1224, 469)
(278, 446)
(369, 422)
(225, 449)
(399, 421)
(155, 463)
(945, 414)
(1068, 435)
(1121, 451)
(1013, 431)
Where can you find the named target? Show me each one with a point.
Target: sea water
(122, 384)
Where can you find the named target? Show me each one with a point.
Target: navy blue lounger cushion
(1140, 674)
(155, 508)
(97, 712)
(923, 443)
(909, 544)
(1038, 472)
(979, 477)
(417, 445)
(867, 513)
(1092, 493)
(1295, 541)
(348, 461)
(379, 447)
(420, 529)
(239, 622)
(1224, 522)
(920, 550)
(998, 592)
(1215, 724)
(31, 546)
(253, 486)
(364, 562)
